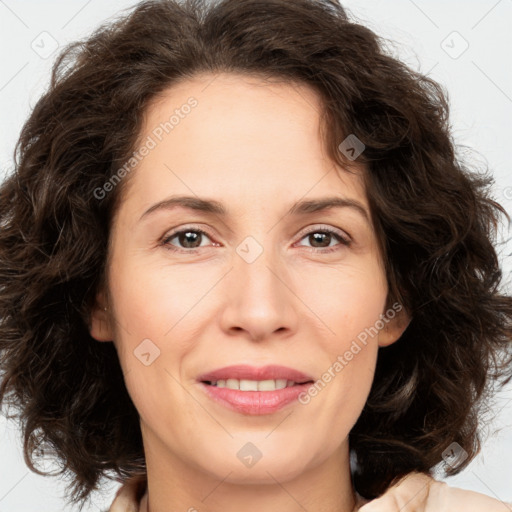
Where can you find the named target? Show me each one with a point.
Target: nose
(260, 302)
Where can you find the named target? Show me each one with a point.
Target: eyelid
(325, 227)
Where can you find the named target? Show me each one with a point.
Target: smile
(253, 385)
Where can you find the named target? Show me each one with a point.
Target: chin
(250, 465)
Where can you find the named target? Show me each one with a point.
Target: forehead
(244, 138)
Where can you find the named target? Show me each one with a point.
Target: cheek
(349, 303)
(153, 309)
(153, 301)
(347, 300)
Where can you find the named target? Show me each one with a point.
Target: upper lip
(255, 373)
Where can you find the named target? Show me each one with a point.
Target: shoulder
(443, 497)
(420, 492)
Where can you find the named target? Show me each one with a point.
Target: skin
(255, 147)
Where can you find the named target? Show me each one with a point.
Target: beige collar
(132, 496)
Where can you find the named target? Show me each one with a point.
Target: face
(271, 279)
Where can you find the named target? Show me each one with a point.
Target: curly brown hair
(434, 216)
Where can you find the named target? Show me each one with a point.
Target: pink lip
(255, 402)
(253, 373)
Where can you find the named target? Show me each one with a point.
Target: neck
(176, 485)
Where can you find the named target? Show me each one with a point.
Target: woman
(241, 267)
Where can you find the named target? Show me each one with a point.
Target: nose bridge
(254, 263)
(259, 301)
(255, 268)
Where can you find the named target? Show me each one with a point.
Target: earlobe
(393, 327)
(100, 325)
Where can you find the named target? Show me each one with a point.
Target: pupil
(187, 239)
(321, 237)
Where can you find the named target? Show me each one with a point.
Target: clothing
(132, 496)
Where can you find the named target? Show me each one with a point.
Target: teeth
(254, 385)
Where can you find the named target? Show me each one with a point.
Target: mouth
(255, 391)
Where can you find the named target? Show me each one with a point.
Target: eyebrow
(211, 206)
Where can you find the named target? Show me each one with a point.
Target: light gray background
(432, 36)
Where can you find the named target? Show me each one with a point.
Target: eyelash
(345, 242)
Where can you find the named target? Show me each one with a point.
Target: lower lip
(255, 402)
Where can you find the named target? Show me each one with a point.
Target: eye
(322, 238)
(189, 240)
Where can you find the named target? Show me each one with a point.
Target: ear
(99, 325)
(395, 320)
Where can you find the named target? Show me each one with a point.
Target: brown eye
(185, 239)
(324, 238)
